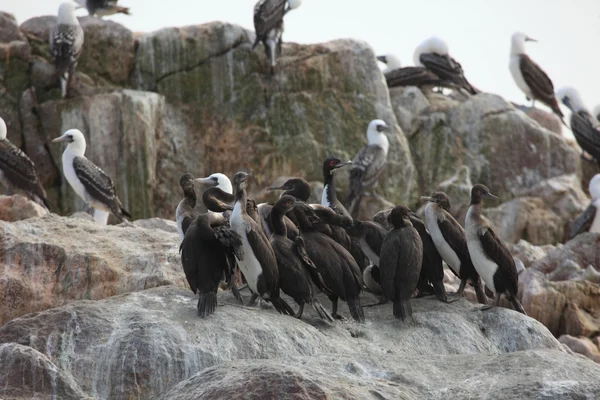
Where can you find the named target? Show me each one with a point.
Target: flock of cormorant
(300, 248)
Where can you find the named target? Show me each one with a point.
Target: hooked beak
(491, 196)
(528, 39)
(60, 139)
(426, 198)
(383, 59)
(269, 189)
(341, 165)
(206, 181)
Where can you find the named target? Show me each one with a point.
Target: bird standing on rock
(489, 253)
(400, 262)
(329, 197)
(66, 42)
(102, 8)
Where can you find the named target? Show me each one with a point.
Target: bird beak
(528, 39)
(206, 181)
(60, 139)
(491, 196)
(341, 165)
(383, 59)
(426, 198)
(270, 189)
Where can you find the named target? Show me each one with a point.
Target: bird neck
(76, 149)
(517, 47)
(240, 199)
(277, 221)
(66, 16)
(378, 139)
(329, 197)
(190, 196)
(475, 209)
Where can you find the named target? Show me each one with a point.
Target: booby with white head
(397, 75)
(589, 220)
(66, 43)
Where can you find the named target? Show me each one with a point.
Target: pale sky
(477, 31)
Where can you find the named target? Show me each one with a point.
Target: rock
(157, 223)
(143, 343)
(529, 253)
(581, 345)
(536, 374)
(50, 261)
(27, 374)
(546, 119)
(17, 207)
(581, 251)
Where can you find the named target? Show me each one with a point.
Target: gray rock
(16, 208)
(141, 344)
(157, 223)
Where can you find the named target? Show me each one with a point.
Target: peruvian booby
(400, 262)
(66, 42)
(296, 270)
(489, 253)
(589, 220)
(87, 180)
(451, 242)
(367, 164)
(17, 171)
(268, 25)
(434, 55)
(329, 196)
(208, 252)
(259, 265)
(584, 126)
(396, 75)
(528, 75)
(102, 8)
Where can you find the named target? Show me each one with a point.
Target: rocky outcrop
(142, 344)
(50, 261)
(16, 208)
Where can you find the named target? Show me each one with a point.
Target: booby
(17, 171)
(434, 55)
(367, 164)
(268, 25)
(208, 252)
(102, 8)
(450, 240)
(396, 75)
(400, 262)
(66, 42)
(489, 253)
(584, 126)
(528, 75)
(329, 197)
(589, 220)
(218, 180)
(259, 265)
(296, 270)
(87, 180)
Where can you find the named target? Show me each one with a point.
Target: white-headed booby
(368, 164)
(66, 42)
(434, 55)
(268, 24)
(528, 75)
(102, 8)
(17, 171)
(589, 220)
(400, 262)
(489, 253)
(87, 180)
(329, 196)
(396, 75)
(584, 126)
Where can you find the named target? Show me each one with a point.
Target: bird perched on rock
(367, 164)
(400, 262)
(17, 171)
(489, 253)
(584, 126)
(589, 220)
(87, 180)
(102, 8)
(396, 75)
(434, 55)
(528, 75)
(268, 24)
(66, 42)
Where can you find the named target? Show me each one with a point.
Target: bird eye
(332, 163)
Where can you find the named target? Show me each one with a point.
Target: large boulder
(143, 343)
(16, 208)
(49, 261)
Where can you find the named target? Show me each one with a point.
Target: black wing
(261, 247)
(587, 132)
(19, 170)
(268, 14)
(374, 235)
(539, 83)
(381, 218)
(454, 234)
(66, 43)
(447, 69)
(230, 240)
(497, 251)
(366, 168)
(583, 222)
(411, 76)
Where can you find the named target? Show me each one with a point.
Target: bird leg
(459, 293)
(334, 305)
(497, 299)
(588, 158)
(252, 301)
(382, 300)
(236, 292)
(300, 310)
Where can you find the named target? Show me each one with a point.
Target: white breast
(448, 255)
(374, 258)
(250, 266)
(325, 198)
(370, 282)
(485, 267)
(515, 70)
(69, 172)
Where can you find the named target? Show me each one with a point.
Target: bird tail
(123, 10)
(440, 290)
(356, 309)
(516, 304)
(283, 307)
(207, 303)
(402, 309)
(323, 313)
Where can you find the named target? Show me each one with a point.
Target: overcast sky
(477, 31)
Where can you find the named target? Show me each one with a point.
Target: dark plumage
(103, 8)
(185, 213)
(489, 253)
(208, 253)
(400, 262)
(66, 42)
(329, 196)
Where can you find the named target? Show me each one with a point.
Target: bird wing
(374, 235)
(66, 43)
(495, 249)
(539, 83)
(261, 247)
(587, 132)
(583, 222)
(366, 168)
(388, 258)
(191, 252)
(447, 69)
(455, 236)
(267, 15)
(95, 181)
(411, 76)
(231, 240)
(19, 169)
